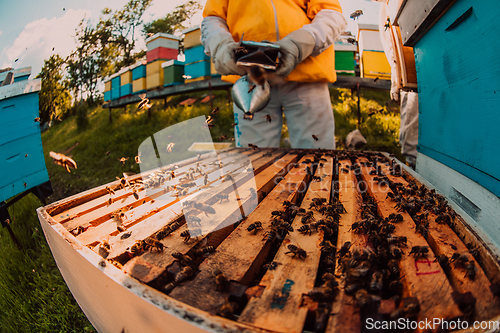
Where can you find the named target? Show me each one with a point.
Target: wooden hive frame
(241, 281)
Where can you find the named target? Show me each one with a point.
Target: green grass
(33, 295)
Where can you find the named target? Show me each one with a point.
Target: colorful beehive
(373, 62)
(162, 47)
(192, 37)
(107, 96)
(126, 82)
(20, 74)
(197, 69)
(139, 70)
(173, 72)
(22, 161)
(139, 85)
(195, 53)
(154, 71)
(345, 52)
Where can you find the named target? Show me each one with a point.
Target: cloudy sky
(32, 30)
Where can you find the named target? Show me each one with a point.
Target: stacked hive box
(173, 72)
(126, 82)
(115, 86)
(345, 56)
(107, 90)
(198, 66)
(373, 62)
(139, 77)
(161, 47)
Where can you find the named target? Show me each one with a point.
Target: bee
(152, 244)
(269, 236)
(169, 287)
(253, 194)
(269, 118)
(308, 217)
(123, 160)
(110, 190)
(123, 182)
(204, 208)
(443, 260)
(170, 146)
(254, 147)
(215, 111)
(37, 119)
(419, 251)
(184, 274)
(144, 103)
(186, 235)
(105, 245)
(271, 266)
(460, 259)
(126, 235)
(296, 250)
(396, 286)
(210, 122)
(221, 197)
(307, 228)
(138, 158)
(206, 249)
(222, 137)
(183, 258)
(393, 267)
(327, 246)
(136, 195)
(315, 137)
(205, 179)
(376, 282)
(255, 227)
(174, 226)
(470, 270)
(363, 298)
(78, 230)
(344, 249)
(63, 160)
(220, 280)
(322, 314)
(137, 247)
(227, 309)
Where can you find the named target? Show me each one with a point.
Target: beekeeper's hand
(294, 48)
(220, 45)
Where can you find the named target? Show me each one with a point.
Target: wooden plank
(150, 265)
(444, 241)
(345, 316)
(264, 311)
(423, 278)
(241, 255)
(151, 225)
(162, 202)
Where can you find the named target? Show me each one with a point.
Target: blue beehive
(138, 72)
(195, 54)
(126, 89)
(107, 96)
(115, 82)
(115, 93)
(22, 162)
(197, 69)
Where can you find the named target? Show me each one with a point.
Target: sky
(33, 30)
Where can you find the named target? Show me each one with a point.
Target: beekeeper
(408, 129)
(305, 31)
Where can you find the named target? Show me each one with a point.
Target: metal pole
(110, 118)
(359, 107)
(210, 95)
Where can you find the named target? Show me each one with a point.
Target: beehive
(373, 62)
(367, 220)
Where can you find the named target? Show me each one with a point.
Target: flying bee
(37, 119)
(222, 137)
(315, 137)
(220, 280)
(255, 227)
(419, 251)
(144, 103)
(356, 14)
(184, 274)
(63, 160)
(296, 250)
(215, 111)
(170, 146)
(138, 159)
(210, 122)
(204, 250)
(253, 194)
(460, 259)
(123, 160)
(443, 260)
(254, 147)
(268, 118)
(234, 124)
(470, 270)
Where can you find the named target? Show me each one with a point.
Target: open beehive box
(296, 240)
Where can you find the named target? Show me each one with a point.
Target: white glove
(294, 48)
(220, 45)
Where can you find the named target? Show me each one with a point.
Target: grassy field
(33, 295)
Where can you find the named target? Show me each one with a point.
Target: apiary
(270, 240)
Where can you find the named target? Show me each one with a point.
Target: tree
(54, 99)
(122, 24)
(173, 22)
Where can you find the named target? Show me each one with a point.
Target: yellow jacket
(272, 20)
